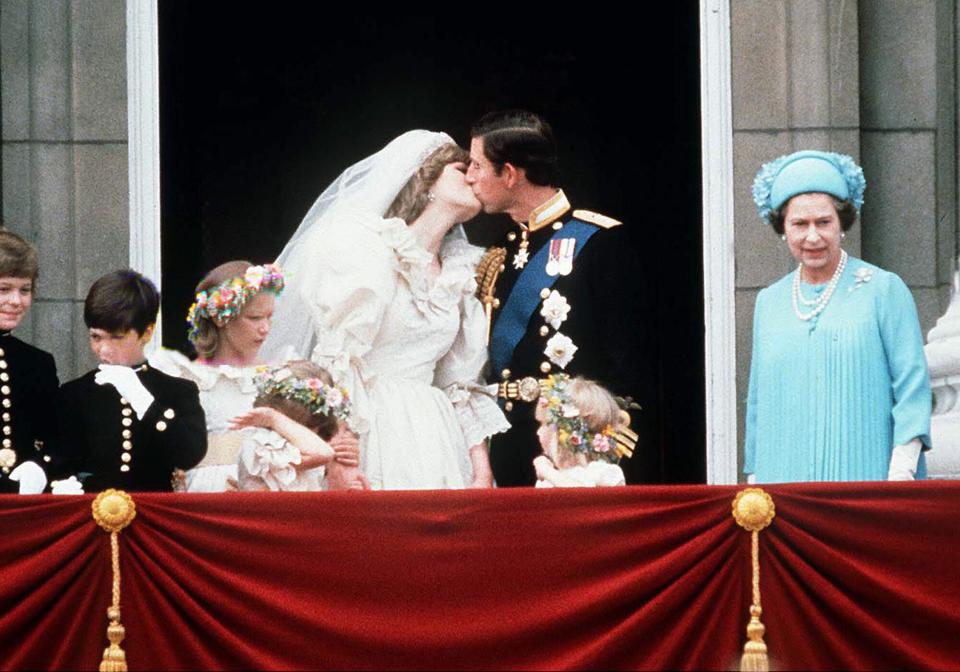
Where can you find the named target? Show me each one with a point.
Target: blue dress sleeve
(750, 424)
(909, 377)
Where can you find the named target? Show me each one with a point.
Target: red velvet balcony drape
(860, 576)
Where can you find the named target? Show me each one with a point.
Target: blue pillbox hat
(805, 172)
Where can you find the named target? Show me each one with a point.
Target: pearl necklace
(820, 303)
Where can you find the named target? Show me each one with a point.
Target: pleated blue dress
(829, 398)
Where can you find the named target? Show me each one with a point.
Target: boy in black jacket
(28, 379)
(126, 424)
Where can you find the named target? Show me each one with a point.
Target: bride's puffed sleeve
(458, 372)
(347, 289)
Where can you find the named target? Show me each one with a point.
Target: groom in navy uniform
(568, 299)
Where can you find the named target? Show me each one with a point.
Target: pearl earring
(431, 197)
(842, 235)
(783, 237)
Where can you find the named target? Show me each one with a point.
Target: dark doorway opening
(262, 105)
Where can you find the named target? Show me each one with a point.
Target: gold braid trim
(113, 510)
(488, 270)
(753, 510)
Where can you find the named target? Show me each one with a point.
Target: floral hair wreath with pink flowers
(573, 433)
(224, 302)
(312, 393)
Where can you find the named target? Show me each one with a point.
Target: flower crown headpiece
(225, 301)
(318, 397)
(804, 172)
(573, 434)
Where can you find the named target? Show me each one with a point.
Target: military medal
(565, 263)
(521, 258)
(560, 261)
(553, 260)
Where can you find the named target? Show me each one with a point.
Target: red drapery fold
(860, 576)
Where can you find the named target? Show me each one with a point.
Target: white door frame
(718, 252)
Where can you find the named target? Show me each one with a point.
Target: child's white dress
(595, 474)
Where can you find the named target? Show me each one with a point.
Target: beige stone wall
(64, 168)
(873, 79)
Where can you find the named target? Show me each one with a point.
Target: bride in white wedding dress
(380, 293)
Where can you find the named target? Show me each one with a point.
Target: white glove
(32, 478)
(68, 486)
(903, 461)
(128, 385)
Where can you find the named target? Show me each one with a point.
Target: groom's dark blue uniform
(605, 323)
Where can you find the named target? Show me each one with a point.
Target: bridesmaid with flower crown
(228, 323)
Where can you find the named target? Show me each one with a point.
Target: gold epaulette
(602, 221)
(488, 270)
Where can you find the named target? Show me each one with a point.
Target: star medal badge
(560, 261)
(521, 258)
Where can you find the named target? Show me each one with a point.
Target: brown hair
(845, 212)
(18, 258)
(412, 199)
(208, 333)
(120, 301)
(325, 426)
(522, 139)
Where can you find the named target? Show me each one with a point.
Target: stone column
(909, 144)
(64, 171)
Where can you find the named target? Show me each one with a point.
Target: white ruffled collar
(457, 256)
(206, 376)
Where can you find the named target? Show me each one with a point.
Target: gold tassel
(753, 510)
(113, 510)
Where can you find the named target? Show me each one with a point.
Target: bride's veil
(369, 185)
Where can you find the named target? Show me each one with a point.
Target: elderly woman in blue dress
(839, 389)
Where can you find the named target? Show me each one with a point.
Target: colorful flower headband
(572, 431)
(225, 301)
(313, 393)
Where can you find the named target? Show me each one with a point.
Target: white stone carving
(943, 359)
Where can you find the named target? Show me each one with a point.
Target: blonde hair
(598, 410)
(325, 426)
(208, 333)
(412, 199)
(597, 406)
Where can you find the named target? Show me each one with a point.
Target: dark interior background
(263, 104)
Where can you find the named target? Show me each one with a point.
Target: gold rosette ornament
(753, 510)
(113, 510)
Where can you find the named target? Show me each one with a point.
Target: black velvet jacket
(28, 416)
(102, 436)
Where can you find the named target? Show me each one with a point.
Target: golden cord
(753, 510)
(113, 510)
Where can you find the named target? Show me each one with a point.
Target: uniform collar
(548, 212)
